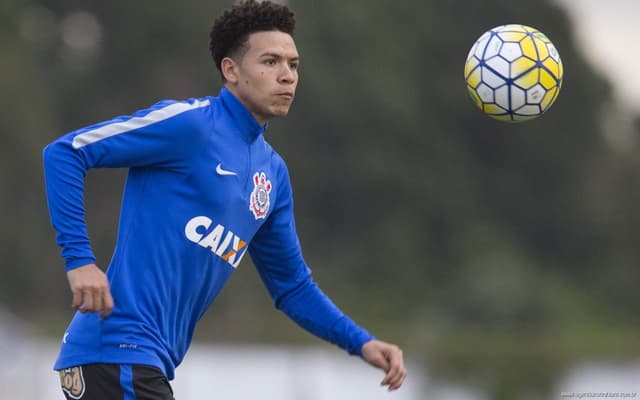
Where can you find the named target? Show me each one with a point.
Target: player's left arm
(388, 357)
(277, 254)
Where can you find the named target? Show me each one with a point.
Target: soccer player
(203, 189)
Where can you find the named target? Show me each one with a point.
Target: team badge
(72, 382)
(259, 202)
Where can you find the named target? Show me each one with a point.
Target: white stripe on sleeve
(117, 128)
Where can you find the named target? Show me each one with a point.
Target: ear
(229, 68)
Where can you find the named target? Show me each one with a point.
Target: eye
(270, 61)
(294, 66)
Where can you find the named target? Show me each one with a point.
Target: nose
(288, 75)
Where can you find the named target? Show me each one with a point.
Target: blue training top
(203, 188)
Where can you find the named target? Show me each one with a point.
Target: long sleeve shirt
(203, 189)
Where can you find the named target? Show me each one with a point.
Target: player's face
(265, 78)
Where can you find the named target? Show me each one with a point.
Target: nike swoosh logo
(221, 171)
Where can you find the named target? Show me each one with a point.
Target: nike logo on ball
(221, 171)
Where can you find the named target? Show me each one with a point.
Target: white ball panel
(493, 47)
(502, 97)
(535, 94)
(499, 65)
(480, 45)
(553, 52)
(511, 51)
(491, 79)
(529, 110)
(485, 93)
(517, 97)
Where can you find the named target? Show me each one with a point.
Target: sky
(608, 34)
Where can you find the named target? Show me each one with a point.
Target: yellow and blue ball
(513, 73)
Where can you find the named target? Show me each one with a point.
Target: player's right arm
(90, 290)
(160, 136)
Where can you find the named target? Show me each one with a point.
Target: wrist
(78, 262)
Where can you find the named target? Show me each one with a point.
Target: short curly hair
(231, 30)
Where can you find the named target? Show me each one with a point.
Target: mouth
(285, 95)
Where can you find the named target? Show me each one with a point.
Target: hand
(387, 357)
(90, 290)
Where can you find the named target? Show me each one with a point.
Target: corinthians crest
(72, 382)
(259, 204)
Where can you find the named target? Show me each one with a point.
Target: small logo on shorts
(72, 382)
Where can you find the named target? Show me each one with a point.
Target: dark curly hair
(231, 30)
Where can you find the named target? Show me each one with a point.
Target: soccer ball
(513, 73)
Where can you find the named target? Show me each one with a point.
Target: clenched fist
(90, 290)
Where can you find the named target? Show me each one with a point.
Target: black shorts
(115, 382)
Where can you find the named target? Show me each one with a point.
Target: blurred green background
(498, 254)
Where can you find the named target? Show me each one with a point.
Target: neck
(259, 119)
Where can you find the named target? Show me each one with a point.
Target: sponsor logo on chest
(221, 241)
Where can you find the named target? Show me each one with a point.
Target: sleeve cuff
(78, 262)
(359, 341)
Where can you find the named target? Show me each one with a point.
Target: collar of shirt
(247, 125)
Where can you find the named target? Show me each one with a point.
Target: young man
(203, 189)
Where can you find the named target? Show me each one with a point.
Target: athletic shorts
(115, 382)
